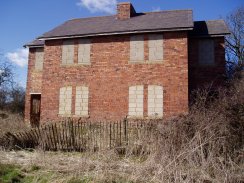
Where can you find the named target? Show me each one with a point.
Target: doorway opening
(35, 110)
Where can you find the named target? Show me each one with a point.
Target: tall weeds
(10, 122)
(204, 146)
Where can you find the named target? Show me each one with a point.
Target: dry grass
(204, 146)
(10, 122)
(96, 166)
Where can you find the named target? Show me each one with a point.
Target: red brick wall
(201, 76)
(110, 75)
(34, 82)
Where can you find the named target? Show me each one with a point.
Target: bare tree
(6, 74)
(17, 99)
(6, 80)
(11, 94)
(235, 41)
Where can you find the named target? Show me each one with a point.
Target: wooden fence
(82, 136)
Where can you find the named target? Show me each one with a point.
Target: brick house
(139, 65)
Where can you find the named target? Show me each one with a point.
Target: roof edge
(150, 12)
(208, 28)
(33, 46)
(35, 43)
(117, 33)
(209, 35)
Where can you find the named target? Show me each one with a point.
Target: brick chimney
(125, 10)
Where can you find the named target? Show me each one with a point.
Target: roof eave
(210, 35)
(116, 33)
(33, 46)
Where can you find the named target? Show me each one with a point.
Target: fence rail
(81, 136)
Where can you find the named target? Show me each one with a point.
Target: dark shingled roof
(35, 43)
(154, 21)
(207, 28)
(163, 20)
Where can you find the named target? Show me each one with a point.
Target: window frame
(136, 101)
(65, 91)
(68, 44)
(155, 39)
(84, 49)
(39, 52)
(155, 101)
(202, 56)
(137, 43)
(82, 101)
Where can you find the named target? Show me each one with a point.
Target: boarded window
(155, 44)
(65, 100)
(137, 48)
(39, 59)
(206, 52)
(136, 101)
(155, 101)
(68, 52)
(84, 51)
(81, 101)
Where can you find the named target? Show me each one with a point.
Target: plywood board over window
(137, 49)
(84, 51)
(39, 59)
(65, 100)
(155, 44)
(206, 52)
(68, 52)
(136, 101)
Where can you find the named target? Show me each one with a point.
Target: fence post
(125, 131)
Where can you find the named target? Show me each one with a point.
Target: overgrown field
(207, 145)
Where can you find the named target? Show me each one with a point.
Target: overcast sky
(21, 21)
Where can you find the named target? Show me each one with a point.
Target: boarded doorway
(35, 110)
